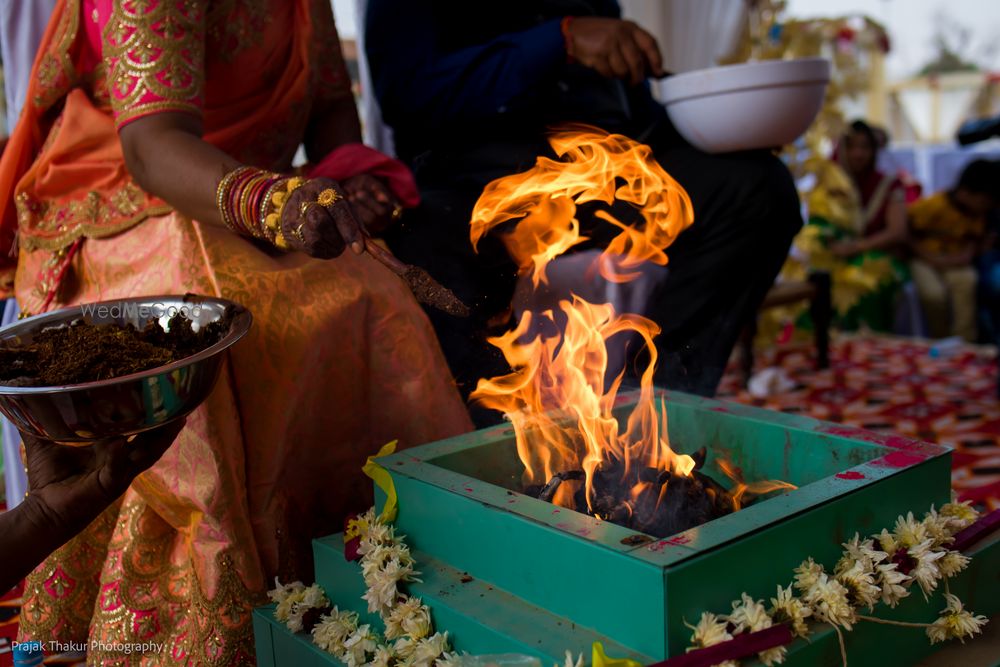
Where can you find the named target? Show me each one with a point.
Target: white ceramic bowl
(762, 104)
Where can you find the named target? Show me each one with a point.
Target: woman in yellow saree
(340, 358)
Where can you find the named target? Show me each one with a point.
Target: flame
(544, 200)
(556, 397)
(754, 488)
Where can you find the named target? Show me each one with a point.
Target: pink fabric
(353, 159)
(91, 54)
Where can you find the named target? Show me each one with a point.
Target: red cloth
(353, 159)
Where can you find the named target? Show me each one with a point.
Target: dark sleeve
(418, 81)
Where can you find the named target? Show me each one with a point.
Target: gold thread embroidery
(98, 85)
(55, 224)
(56, 72)
(149, 107)
(49, 268)
(155, 48)
(144, 597)
(59, 595)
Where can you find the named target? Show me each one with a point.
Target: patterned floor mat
(895, 385)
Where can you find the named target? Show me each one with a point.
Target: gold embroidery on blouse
(155, 48)
(56, 72)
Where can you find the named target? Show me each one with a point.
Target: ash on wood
(83, 352)
(651, 501)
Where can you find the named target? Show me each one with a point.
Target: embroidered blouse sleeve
(155, 54)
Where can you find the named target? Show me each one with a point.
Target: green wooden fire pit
(505, 572)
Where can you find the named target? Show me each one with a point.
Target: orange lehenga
(339, 361)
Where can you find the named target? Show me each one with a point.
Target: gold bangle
(268, 206)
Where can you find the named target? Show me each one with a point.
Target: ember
(652, 501)
(575, 451)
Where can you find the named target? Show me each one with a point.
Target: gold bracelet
(278, 199)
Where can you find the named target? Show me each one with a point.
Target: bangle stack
(251, 201)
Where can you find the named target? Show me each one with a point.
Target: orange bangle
(567, 38)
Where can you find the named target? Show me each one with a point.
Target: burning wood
(548, 491)
(664, 505)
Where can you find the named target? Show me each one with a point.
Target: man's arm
(69, 487)
(416, 77)
(26, 539)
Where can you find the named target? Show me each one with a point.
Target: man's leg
(961, 284)
(746, 214)
(933, 295)
(435, 236)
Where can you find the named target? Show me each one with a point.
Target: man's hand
(69, 486)
(615, 48)
(372, 202)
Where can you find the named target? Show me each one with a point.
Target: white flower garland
(386, 562)
(864, 576)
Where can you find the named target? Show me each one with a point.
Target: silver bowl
(128, 404)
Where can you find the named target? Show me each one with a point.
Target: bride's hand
(317, 220)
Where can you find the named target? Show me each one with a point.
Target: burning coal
(575, 451)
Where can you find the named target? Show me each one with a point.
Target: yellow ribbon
(383, 480)
(600, 659)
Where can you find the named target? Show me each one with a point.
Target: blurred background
(917, 68)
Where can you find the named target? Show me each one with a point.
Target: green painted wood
(263, 643)
(868, 645)
(586, 582)
(286, 649)
(760, 561)
(480, 617)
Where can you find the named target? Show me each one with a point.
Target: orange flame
(555, 397)
(544, 200)
(754, 488)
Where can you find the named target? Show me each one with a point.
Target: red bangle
(567, 38)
